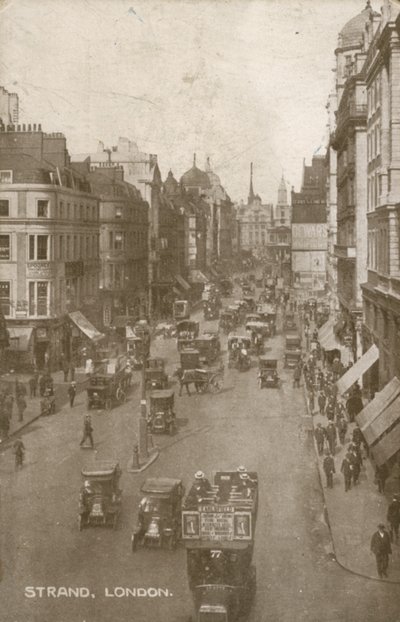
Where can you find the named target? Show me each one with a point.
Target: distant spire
(251, 191)
(194, 159)
(208, 165)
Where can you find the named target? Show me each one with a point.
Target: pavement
(32, 411)
(353, 516)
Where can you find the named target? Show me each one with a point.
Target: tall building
(49, 248)
(254, 220)
(9, 108)
(207, 185)
(309, 230)
(381, 291)
(279, 237)
(350, 143)
(123, 216)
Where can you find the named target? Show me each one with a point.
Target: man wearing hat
(393, 517)
(319, 438)
(72, 393)
(381, 548)
(245, 485)
(329, 468)
(201, 488)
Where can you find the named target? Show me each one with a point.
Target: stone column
(385, 132)
(394, 170)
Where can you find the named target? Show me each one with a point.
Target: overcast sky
(235, 80)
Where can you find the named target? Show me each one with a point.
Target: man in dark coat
(342, 429)
(87, 431)
(331, 436)
(321, 402)
(72, 393)
(329, 468)
(381, 548)
(393, 517)
(347, 469)
(319, 438)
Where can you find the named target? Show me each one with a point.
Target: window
(4, 247)
(67, 247)
(38, 247)
(61, 247)
(118, 244)
(38, 298)
(4, 207)
(5, 303)
(42, 208)
(118, 212)
(111, 240)
(5, 177)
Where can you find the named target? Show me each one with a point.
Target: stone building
(254, 220)
(9, 108)
(49, 248)
(309, 230)
(207, 185)
(381, 291)
(349, 141)
(279, 237)
(123, 244)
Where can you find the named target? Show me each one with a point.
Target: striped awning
(358, 369)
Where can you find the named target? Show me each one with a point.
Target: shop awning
(198, 277)
(329, 341)
(325, 329)
(381, 401)
(358, 369)
(182, 282)
(387, 446)
(85, 326)
(19, 338)
(386, 420)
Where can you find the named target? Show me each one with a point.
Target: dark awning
(387, 446)
(381, 401)
(85, 326)
(20, 337)
(386, 420)
(358, 369)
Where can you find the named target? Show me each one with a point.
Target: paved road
(297, 580)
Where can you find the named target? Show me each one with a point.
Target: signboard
(224, 525)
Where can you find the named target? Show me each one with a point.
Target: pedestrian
(87, 431)
(297, 376)
(356, 463)
(393, 517)
(331, 437)
(342, 429)
(330, 410)
(33, 382)
(321, 402)
(346, 469)
(72, 393)
(21, 406)
(329, 468)
(381, 475)
(319, 434)
(381, 548)
(20, 389)
(357, 435)
(311, 401)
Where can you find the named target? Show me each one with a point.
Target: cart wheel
(108, 403)
(216, 383)
(80, 522)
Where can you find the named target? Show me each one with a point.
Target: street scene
(199, 393)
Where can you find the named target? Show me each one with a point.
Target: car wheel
(216, 384)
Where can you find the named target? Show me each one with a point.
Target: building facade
(123, 216)
(309, 231)
(49, 244)
(254, 220)
(280, 237)
(381, 291)
(9, 108)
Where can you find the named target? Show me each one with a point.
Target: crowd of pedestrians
(335, 433)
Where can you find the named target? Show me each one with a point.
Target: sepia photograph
(199, 310)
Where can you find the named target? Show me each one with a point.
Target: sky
(235, 80)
